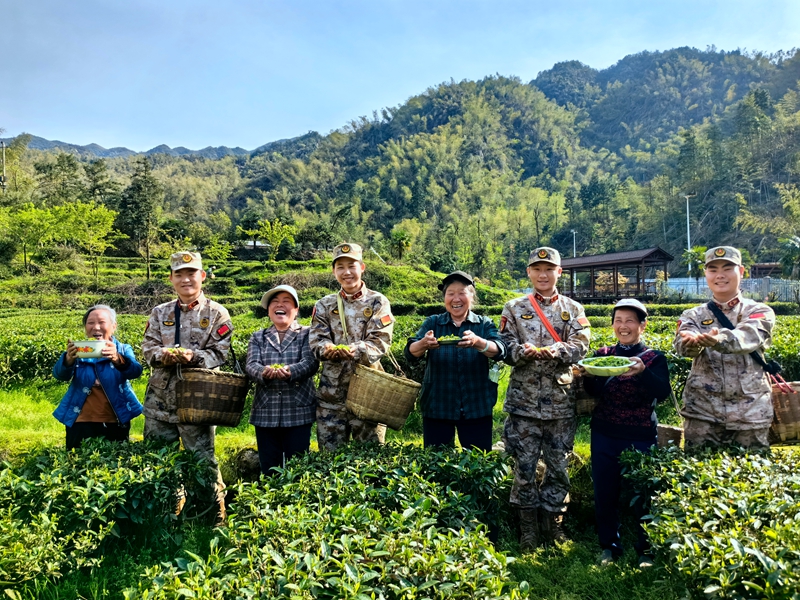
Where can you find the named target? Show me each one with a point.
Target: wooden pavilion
(605, 277)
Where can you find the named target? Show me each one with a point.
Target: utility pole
(574, 254)
(3, 180)
(688, 234)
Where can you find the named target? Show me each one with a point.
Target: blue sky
(195, 73)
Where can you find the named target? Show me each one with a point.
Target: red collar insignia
(728, 305)
(355, 296)
(188, 307)
(542, 299)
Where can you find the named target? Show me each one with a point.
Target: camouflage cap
(727, 253)
(348, 250)
(185, 260)
(545, 254)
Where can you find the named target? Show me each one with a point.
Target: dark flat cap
(464, 278)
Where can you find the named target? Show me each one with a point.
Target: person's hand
(331, 352)
(429, 341)
(581, 372)
(283, 373)
(544, 353)
(109, 351)
(637, 368)
(470, 340)
(700, 340)
(168, 357)
(72, 353)
(184, 355)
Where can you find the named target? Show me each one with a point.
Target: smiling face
(723, 279)
(543, 276)
(458, 299)
(282, 310)
(627, 327)
(348, 273)
(100, 325)
(188, 283)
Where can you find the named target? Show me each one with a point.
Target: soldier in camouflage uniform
(727, 398)
(541, 418)
(370, 324)
(205, 338)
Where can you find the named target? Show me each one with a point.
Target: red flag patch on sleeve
(386, 320)
(678, 326)
(583, 322)
(503, 323)
(224, 329)
(758, 316)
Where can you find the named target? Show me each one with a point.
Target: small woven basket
(381, 397)
(211, 397)
(786, 422)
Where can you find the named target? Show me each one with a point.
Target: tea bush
(726, 521)
(61, 510)
(368, 522)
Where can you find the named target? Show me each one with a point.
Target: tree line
(473, 174)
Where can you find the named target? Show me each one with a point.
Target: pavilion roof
(627, 258)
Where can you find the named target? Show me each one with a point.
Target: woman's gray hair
(469, 288)
(112, 313)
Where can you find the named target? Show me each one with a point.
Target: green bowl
(586, 363)
(449, 342)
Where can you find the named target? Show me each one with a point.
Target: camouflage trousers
(698, 434)
(335, 427)
(528, 440)
(196, 438)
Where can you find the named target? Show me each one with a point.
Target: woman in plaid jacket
(279, 360)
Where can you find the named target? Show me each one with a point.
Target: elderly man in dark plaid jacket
(280, 361)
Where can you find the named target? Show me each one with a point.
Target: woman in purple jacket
(624, 419)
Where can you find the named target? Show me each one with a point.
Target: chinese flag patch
(583, 322)
(314, 311)
(678, 326)
(224, 329)
(503, 322)
(386, 319)
(758, 316)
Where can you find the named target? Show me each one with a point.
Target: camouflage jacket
(726, 385)
(369, 326)
(205, 329)
(540, 389)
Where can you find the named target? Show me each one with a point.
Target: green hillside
(466, 175)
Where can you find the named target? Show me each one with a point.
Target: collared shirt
(540, 389)
(726, 385)
(282, 402)
(205, 330)
(456, 383)
(370, 324)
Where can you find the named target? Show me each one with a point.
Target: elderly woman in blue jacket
(100, 401)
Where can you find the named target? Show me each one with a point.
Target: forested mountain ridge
(474, 174)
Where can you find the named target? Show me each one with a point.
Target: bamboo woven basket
(381, 397)
(786, 422)
(211, 397)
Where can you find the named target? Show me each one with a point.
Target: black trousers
(608, 481)
(113, 432)
(278, 444)
(472, 433)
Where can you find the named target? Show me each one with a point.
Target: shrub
(64, 507)
(726, 521)
(367, 522)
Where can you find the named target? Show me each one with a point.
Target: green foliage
(66, 509)
(391, 522)
(725, 521)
